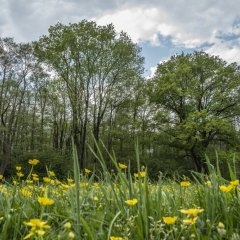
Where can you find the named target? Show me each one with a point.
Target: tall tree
(94, 62)
(198, 97)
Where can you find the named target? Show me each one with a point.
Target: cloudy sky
(161, 27)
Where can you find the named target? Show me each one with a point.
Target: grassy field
(120, 205)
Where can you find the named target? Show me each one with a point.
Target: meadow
(118, 205)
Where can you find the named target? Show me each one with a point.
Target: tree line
(85, 82)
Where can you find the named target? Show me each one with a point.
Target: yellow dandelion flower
(135, 175)
(185, 184)
(45, 201)
(83, 184)
(193, 212)
(70, 180)
(87, 171)
(190, 221)
(234, 183)
(37, 223)
(26, 193)
(46, 179)
(131, 202)
(228, 188)
(169, 220)
(116, 238)
(35, 178)
(18, 168)
(20, 174)
(34, 175)
(52, 173)
(33, 161)
(29, 181)
(122, 166)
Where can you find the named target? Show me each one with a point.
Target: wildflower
(116, 238)
(83, 184)
(190, 221)
(122, 166)
(1, 177)
(209, 183)
(234, 183)
(46, 179)
(193, 212)
(221, 225)
(228, 188)
(140, 174)
(52, 173)
(45, 201)
(25, 192)
(37, 227)
(131, 202)
(67, 225)
(96, 185)
(169, 220)
(20, 174)
(71, 235)
(185, 184)
(18, 168)
(35, 178)
(29, 181)
(70, 180)
(135, 175)
(34, 175)
(33, 161)
(221, 229)
(15, 183)
(87, 171)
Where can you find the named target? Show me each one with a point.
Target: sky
(160, 27)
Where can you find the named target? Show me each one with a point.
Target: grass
(120, 206)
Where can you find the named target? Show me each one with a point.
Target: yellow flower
(34, 175)
(135, 174)
(228, 188)
(71, 235)
(122, 166)
(33, 161)
(45, 201)
(20, 174)
(37, 227)
(141, 174)
(70, 180)
(52, 173)
(234, 183)
(46, 179)
(190, 221)
(83, 184)
(193, 212)
(185, 184)
(25, 192)
(209, 183)
(169, 220)
(96, 185)
(29, 181)
(15, 183)
(131, 202)
(87, 171)
(35, 178)
(1, 177)
(67, 225)
(221, 225)
(18, 168)
(116, 238)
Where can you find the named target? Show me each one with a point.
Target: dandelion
(70, 180)
(208, 183)
(34, 175)
(52, 173)
(46, 179)
(29, 181)
(131, 202)
(83, 184)
(71, 235)
(45, 201)
(33, 162)
(228, 188)
(87, 171)
(67, 225)
(193, 212)
(116, 238)
(37, 227)
(185, 184)
(26, 193)
(190, 221)
(122, 166)
(1, 177)
(234, 183)
(35, 178)
(20, 174)
(18, 168)
(169, 220)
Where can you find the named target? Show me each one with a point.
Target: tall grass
(123, 205)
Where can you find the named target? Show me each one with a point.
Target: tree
(97, 65)
(198, 97)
